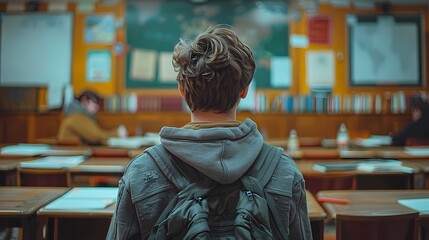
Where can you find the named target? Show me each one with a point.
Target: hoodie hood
(76, 107)
(223, 154)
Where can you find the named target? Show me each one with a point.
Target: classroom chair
(332, 181)
(109, 152)
(43, 177)
(320, 154)
(392, 227)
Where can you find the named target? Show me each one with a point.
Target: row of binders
(389, 102)
(143, 103)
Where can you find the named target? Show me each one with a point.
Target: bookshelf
(28, 127)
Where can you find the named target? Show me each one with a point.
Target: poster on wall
(100, 29)
(99, 66)
(320, 29)
(320, 69)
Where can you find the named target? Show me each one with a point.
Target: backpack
(205, 209)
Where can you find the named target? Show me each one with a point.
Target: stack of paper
(417, 151)
(334, 166)
(53, 162)
(86, 198)
(373, 141)
(25, 149)
(383, 166)
(134, 142)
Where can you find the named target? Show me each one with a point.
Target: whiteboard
(36, 50)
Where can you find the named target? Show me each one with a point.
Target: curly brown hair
(213, 69)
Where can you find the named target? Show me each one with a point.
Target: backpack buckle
(249, 194)
(199, 200)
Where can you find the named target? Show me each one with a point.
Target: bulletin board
(154, 27)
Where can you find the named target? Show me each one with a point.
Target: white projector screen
(36, 50)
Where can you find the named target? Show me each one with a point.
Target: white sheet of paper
(25, 149)
(92, 193)
(281, 71)
(166, 71)
(320, 69)
(419, 204)
(143, 64)
(53, 162)
(298, 41)
(79, 204)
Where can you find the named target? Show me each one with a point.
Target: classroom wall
(81, 48)
(338, 45)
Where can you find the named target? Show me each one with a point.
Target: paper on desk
(86, 198)
(92, 192)
(134, 142)
(417, 151)
(383, 165)
(54, 162)
(79, 204)
(419, 204)
(373, 141)
(25, 149)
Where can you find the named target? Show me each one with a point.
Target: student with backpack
(214, 178)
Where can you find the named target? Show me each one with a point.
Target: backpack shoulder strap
(167, 166)
(265, 164)
(263, 169)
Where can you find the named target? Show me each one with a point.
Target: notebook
(334, 166)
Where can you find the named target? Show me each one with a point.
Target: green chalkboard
(154, 27)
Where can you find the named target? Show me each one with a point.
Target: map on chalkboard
(154, 27)
(385, 50)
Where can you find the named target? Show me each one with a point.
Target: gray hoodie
(227, 152)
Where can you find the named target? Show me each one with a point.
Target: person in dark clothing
(418, 129)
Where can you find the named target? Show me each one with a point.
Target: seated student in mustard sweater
(80, 125)
(418, 129)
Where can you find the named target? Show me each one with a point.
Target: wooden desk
(8, 171)
(365, 180)
(317, 216)
(71, 223)
(397, 153)
(81, 223)
(374, 203)
(424, 166)
(18, 206)
(69, 151)
(112, 167)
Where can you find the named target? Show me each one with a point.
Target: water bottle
(293, 143)
(342, 137)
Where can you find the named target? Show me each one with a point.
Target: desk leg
(29, 228)
(317, 228)
(42, 227)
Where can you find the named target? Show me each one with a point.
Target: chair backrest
(392, 227)
(416, 142)
(43, 177)
(320, 154)
(331, 181)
